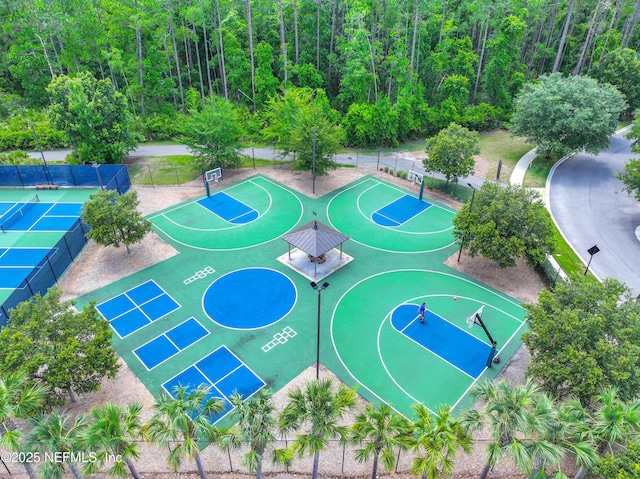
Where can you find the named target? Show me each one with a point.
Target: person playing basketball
(423, 308)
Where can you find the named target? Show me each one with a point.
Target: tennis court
(40, 235)
(225, 312)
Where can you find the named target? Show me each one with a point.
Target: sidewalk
(517, 175)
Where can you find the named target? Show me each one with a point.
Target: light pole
(313, 163)
(319, 289)
(46, 167)
(473, 195)
(593, 250)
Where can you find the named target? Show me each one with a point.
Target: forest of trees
(406, 69)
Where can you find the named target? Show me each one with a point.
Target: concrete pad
(298, 261)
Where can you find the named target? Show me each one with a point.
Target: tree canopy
(621, 68)
(69, 352)
(301, 122)
(562, 115)
(451, 152)
(114, 219)
(505, 223)
(213, 135)
(584, 337)
(94, 117)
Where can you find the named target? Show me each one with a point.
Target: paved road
(396, 161)
(590, 208)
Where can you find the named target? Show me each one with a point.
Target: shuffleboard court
(229, 209)
(191, 225)
(224, 372)
(137, 307)
(454, 345)
(352, 211)
(168, 344)
(399, 211)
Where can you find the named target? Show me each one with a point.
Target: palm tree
(18, 400)
(609, 426)
(112, 433)
(256, 424)
(320, 408)
(437, 439)
(572, 431)
(181, 421)
(51, 435)
(519, 418)
(380, 429)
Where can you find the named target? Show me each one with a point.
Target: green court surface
(391, 267)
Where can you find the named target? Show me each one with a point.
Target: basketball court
(229, 313)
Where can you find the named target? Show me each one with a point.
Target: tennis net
(19, 213)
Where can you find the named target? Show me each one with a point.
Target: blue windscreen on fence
(48, 270)
(111, 177)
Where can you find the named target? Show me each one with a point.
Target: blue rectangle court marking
(115, 307)
(218, 364)
(454, 345)
(190, 378)
(228, 208)
(187, 333)
(66, 209)
(145, 292)
(23, 256)
(129, 322)
(159, 307)
(4, 208)
(155, 351)
(25, 220)
(243, 381)
(12, 278)
(60, 223)
(399, 211)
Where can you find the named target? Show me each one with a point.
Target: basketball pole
(421, 190)
(206, 187)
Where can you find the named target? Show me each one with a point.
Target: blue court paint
(170, 343)
(116, 306)
(23, 256)
(399, 211)
(451, 343)
(187, 333)
(159, 306)
(4, 207)
(129, 322)
(13, 278)
(155, 351)
(223, 372)
(190, 378)
(242, 380)
(24, 221)
(60, 223)
(137, 307)
(145, 292)
(65, 209)
(218, 364)
(249, 298)
(229, 209)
